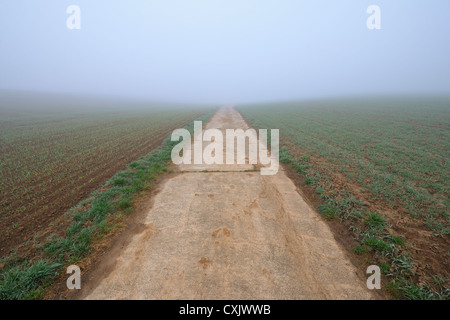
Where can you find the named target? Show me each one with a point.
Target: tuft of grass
(376, 244)
(134, 165)
(397, 240)
(328, 211)
(26, 282)
(125, 204)
(119, 182)
(385, 267)
(375, 221)
(359, 249)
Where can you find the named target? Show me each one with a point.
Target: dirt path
(229, 235)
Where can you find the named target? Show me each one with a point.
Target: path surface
(230, 235)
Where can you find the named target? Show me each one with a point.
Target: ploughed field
(52, 158)
(379, 167)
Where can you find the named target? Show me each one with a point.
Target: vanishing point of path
(229, 235)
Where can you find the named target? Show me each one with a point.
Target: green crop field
(381, 168)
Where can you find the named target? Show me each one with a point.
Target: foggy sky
(227, 51)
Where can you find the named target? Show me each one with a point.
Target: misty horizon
(30, 101)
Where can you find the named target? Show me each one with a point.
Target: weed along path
(226, 231)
